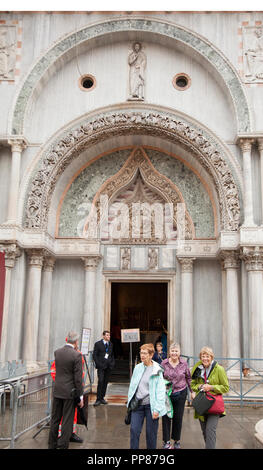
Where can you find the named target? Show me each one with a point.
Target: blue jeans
(137, 419)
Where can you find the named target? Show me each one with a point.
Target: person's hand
(207, 387)
(155, 415)
(81, 403)
(193, 394)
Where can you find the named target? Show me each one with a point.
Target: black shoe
(97, 403)
(103, 402)
(75, 438)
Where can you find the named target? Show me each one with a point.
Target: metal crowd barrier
(245, 377)
(25, 402)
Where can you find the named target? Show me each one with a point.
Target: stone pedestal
(187, 314)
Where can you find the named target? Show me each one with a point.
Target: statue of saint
(137, 63)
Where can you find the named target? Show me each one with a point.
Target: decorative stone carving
(7, 52)
(137, 62)
(153, 258)
(125, 258)
(35, 257)
(91, 262)
(253, 257)
(12, 251)
(49, 263)
(186, 264)
(56, 159)
(253, 54)
(230, 259)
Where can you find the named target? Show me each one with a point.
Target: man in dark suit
(104, 362)
(68, 390)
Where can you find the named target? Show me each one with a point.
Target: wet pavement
(107, 430)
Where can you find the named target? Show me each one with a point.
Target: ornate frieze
(63, 151)
(253, 54)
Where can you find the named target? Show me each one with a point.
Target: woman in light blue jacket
(148, 386)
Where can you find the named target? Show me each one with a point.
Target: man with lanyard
(104, 362)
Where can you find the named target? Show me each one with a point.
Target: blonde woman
(209, 376)
(176, 370)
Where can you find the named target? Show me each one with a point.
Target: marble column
(11, 253)
(33, 289)
(246, 145)
(260, 148)
(187, 310)
(45, 309)
(253, 257)
(17, 148)
(90, 266)
(232, 320)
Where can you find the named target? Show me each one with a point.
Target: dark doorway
(136, 305)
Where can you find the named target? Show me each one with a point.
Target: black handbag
(202, 403)
(133, 405)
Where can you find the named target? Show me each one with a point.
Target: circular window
(181, 81)
(87, 82)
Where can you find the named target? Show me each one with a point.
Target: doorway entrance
(136, 305)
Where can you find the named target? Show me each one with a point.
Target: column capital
(49, 263)
(260, 143)
(17, 144)
(253, 257)
(245, 143)
(230, 259)
(91, 262)
(186, 264)
(12, 251)
(35, 257)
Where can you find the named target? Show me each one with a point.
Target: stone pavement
(107, 430)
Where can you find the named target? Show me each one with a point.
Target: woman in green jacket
(209, 376)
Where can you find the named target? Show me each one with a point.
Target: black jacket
(68, 373)
(99, 356)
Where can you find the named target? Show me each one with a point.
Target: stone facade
(192, 152)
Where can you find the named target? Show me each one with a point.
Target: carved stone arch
(60, 153)
(62, 49)
(139, 164)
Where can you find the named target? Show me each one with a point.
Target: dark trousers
(178, 402)
(66, 409)
(137, 419)
(103, 378)
(208, 427)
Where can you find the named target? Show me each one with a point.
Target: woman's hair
(207, 350)
(159, 344)
(149, 347)
(175, 345)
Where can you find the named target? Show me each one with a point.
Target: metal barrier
(244, 376)
(29, 401)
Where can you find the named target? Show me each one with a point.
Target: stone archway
(60, 153)
(161, 29)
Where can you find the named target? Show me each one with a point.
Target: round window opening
(87, 82)
(181, 81)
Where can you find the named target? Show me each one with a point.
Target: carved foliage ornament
(62, 152)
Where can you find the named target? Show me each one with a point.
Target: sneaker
(75, 438)
(167, 445)
(177, 445)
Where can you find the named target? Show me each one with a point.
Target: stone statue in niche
(153, 258)
(253, 54)
(137, 63)
(7, 53)
(125, 258)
